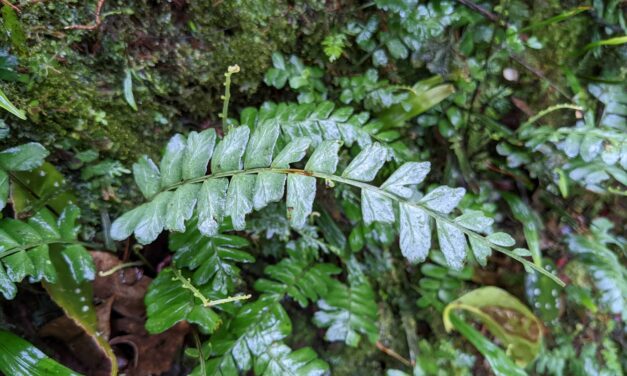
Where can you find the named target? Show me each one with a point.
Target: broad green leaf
(269, 187)
(7, 287)
(474, 220)
(279, 360)
(43, 268)
(31, 190)
(261, 145)
(152, 222)
(443, 199)
(124, 226)
(293, 152)
(452, 244)
(171, 165)
(128, 89)
(18, 266)
(169, 302)
(229, 152)
(239, 199)
(510, 321)
(499, 362)
(23, 157)
(4, 188)
(211, 205)
(301, 192)
(376, 207)
(68, 229)
(409, 174)
(502, 239)
(591, 146)
(7, 105)
(324, 159)
(415, 233)
(20, 358)
(147, 176)
(367, 163)
(76, 300)
(45, 224)
(198, 153)
(79, 263)
(181, 207)
(423, 99)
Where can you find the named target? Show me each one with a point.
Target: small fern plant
(247, 174)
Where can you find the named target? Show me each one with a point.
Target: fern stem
(227, 96)
(206, 302)
(119, 267)
(359, 184)
(26, 247)
(547, 111)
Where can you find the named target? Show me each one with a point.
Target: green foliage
(333, 45)
(20, 158)
(305, 80)
(440, 285)
(20, 358)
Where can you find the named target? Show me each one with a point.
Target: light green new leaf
(211, 205)
(509, 320)
(502, 239)
(324, 159)
(128, 89)
(261, 145)
(20, 358)
(147, 176)
(229, 152)
(443, 199)
(409, 174)
(181, 207)
(198, 153)
(452, 244)
(171, 163)
(239, 199)
(367, 163)
(301, 191)
(23, 157)
(415, 233)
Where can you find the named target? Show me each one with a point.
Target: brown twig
(93, 26)
(484, 12)
(8, 3)
(393, 354)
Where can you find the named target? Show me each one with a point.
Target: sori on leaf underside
(247, 174)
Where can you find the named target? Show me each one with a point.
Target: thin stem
(119, 267)
(227, 96)
(201, 356)
(361, 185)
(547, 111)
(187, 284)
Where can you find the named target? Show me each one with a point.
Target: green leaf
(269, 187)
(293, 152)
(376, 207)
(20, 358)
(348, 313)
(7, 105)
(452, 243)
(502, 239)
(168, 302)
(261, 145)
(152, 221)
(7, 287)
(147, 176)
(324, 158)
(18, 266)
(211, 205)
(4, 188)
(75, 298)
(229, 152)
(198, 153)
(280, 360)
(23, 157)
(480, 250)
(124, 226)
(128, 89)
(171, 163)
(181, 207)
(301, 191)
(510, 321)
(531, 225)
(499, 362)
(474, 220)
(415, 233)
(239, 199)
(79, 262)
(367, 163)
(409, 174)
(443, 199)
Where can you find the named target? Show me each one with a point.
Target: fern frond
(246, 176)
(24, 249)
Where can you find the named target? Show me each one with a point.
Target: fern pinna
(246, 175)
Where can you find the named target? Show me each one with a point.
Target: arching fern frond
(246, 175)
